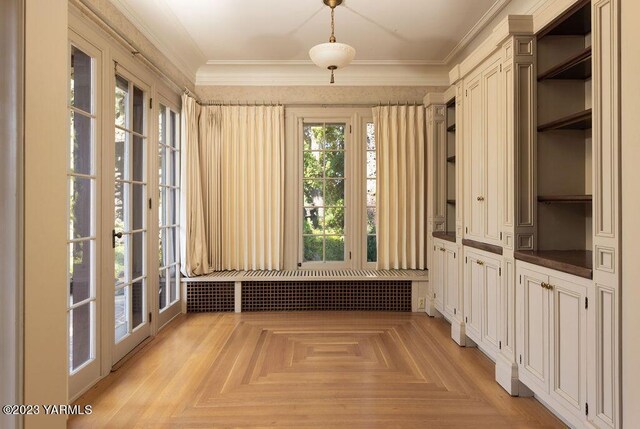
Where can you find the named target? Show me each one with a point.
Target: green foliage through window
(323, 214)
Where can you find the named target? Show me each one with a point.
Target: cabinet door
(451, 294)
(493, 133)
(534, 319)
(473, 286)
(568, 344)
(474, 115)
(491, 300)
(440, 277)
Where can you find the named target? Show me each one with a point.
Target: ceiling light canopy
(332, 55)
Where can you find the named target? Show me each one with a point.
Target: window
(371, 174)
(82, 211)
(324, 208)
(169, 178)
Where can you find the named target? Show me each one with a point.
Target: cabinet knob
(480, 198)
(546, 286)
(442, 249)
(479, 262)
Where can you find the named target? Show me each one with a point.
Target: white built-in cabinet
(447, 293)
(484, 122)
(552, 329)
(482, 309)
(535, 188)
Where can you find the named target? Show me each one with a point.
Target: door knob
(115, 235)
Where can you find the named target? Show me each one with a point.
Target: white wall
(630, 208)
(45, 213)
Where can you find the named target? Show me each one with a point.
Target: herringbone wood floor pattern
(307, 370)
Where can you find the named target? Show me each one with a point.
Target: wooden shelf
(482, 246)
(575, 121)
(566, 199)
(448, 236)
(575, 22)
(577, 67)
(576, 262)
(451, 202)
(451, 128)
(452, 159)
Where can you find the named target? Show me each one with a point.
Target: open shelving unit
(564, 153)
(451, 165)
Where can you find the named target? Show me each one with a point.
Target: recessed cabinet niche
(564, 152)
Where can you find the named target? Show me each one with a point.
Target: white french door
(130, 238)
(168, 157)
(83, 243)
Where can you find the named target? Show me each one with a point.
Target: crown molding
(479, 26)
(311, 75)
(187, 61)
(309, 62)
(510, 25)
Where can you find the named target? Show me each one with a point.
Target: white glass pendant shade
(337, 55)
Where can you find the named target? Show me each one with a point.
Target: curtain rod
(102, 22)
(299, 104)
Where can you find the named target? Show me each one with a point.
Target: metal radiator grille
(338, 295)
(210, 297)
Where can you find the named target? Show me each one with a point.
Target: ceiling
(260, 42)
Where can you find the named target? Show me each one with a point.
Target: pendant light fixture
(332, 55)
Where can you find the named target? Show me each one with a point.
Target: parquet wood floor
(307, 370)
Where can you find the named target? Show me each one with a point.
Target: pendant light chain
(332, 39)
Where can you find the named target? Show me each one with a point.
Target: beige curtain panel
(401, 186)
(241, 171)
(194, 255)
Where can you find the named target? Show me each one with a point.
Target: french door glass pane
(81, 154)
(334, 192)
(372, 248)
(80, 319)
(122, 101)
(122, 313)
(138, 110)
(137, 304)
(334, 164)
(80, 207)
(138, 204)
(120, 262)
(81, 80)
(121, 170)
(80, 271)
(162, 284)
(171, 246)
(313, 248)
(334, 248)
(173, 283)
(334, 136)
(137, 255)
(138, 172)
(371, 220)
(334, 221)
(371, 167)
